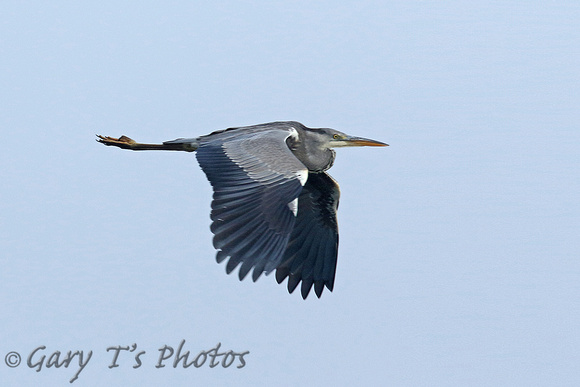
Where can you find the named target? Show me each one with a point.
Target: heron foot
(121, 142)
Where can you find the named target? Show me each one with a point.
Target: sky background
(459, 247)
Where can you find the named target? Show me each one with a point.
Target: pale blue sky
(459, 251)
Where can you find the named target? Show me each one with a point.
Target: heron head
(337, 139)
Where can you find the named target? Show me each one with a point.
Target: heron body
(274, 206)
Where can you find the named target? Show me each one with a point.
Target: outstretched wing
(313, 247)
(256, 180)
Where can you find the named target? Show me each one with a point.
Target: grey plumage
(274, 207)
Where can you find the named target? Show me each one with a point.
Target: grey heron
(274, 206)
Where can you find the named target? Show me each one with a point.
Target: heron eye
(336, 136)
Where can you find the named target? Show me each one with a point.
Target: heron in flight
(274, 206)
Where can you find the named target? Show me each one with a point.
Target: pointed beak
(360, 141)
